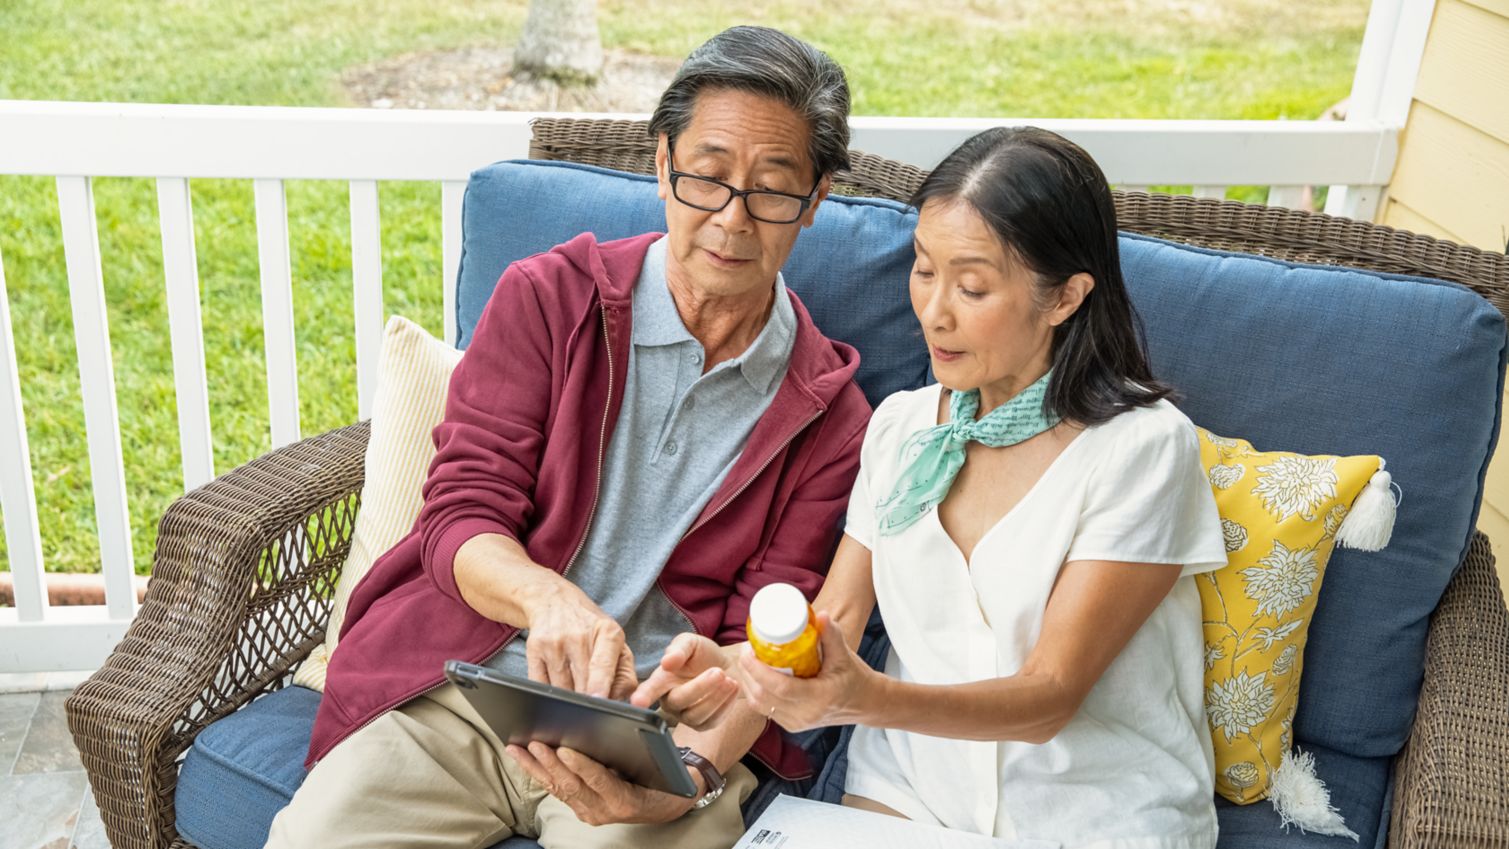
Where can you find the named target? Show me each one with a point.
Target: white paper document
(793, 823)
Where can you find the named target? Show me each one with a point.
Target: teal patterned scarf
(934, 456)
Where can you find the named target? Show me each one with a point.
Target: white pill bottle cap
(778, 613)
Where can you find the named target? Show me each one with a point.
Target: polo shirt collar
(657, 323)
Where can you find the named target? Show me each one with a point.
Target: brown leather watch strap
(710, 776)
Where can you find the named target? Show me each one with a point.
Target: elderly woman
(1029, 526)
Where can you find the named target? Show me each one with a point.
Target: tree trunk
(560, 42)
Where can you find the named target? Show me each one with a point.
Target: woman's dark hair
(1050, 205)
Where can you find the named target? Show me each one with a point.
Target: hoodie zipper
(602, 438)
(709, 517)
(729, 500)
(602, 449)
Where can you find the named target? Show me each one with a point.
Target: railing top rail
(249, 142)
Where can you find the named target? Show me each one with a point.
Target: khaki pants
(431, 773)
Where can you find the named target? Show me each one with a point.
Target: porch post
(1392, 47)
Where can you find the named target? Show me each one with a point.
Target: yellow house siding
(1496, 490)
(1402, 215)
(1466, 67)
(1496, 526)
(1492, 520)
(1456, 175)
(1501, 7)
(1452, 177)
(1453, 168)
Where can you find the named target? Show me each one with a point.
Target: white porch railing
(75, 142)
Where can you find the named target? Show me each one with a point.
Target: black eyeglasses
(710, 195)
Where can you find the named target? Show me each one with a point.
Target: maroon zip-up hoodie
(528, 418)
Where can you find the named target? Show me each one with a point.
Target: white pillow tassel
(1302, 799)
(1370, 523)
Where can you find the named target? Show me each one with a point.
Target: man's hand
(694, 682)
(596, 794)
(573, 644)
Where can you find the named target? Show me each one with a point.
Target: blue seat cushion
(244, 768)
(249, 763)
(1332, 361)
(844, 267)
(1358, 786)
(1359, 791)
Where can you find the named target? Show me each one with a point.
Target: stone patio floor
(45, 801)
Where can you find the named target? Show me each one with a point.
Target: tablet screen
(633, 741)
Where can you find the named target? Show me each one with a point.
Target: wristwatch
(710, 776)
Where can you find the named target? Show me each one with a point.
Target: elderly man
(642, 434)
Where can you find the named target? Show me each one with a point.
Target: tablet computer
(634, 741)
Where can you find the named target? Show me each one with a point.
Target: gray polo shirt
(678, 434)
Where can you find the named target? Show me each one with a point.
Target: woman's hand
(694, 682)
(840, 694)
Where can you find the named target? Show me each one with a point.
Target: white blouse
(1133, 769)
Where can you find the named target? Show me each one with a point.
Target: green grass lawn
(1024, 58)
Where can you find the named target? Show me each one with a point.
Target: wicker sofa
(245, 565)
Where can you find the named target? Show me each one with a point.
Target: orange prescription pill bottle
(783, 631)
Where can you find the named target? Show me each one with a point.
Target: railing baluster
(186, 327)
(91, 330)
(1360, 202)
(23, 542)
(1288, 197)
(366, 280)
(1216, 192)
(451, 194)
(277, 311)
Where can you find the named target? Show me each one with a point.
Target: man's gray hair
(768, 62)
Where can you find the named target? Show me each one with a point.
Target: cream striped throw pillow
(414, 371)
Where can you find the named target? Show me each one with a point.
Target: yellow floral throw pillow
(1282, 515)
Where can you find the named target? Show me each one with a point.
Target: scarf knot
(932, 457)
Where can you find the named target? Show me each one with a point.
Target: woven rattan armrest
(1451, 776)
(241, 584)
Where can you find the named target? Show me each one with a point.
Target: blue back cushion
(1330, 361)
(844, 267)
(1291, 357)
